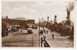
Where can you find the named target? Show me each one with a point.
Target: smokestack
(71, 6)
(69, 9)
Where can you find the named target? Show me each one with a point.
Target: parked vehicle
(14, 29)
(29, 30)
(34, 27)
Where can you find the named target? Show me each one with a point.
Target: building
(16, 22)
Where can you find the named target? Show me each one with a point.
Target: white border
(19, 48)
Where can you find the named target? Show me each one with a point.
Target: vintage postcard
(38, 23)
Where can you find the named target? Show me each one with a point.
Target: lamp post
(48, 18)
(55, 19)
(47, 21)
(6, 25)
(39, 32)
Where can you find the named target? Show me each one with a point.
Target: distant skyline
(36, 9)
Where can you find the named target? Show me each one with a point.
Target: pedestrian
(41, 32)
(52, 36)
(46, 44)
(41, 41)
(47, 32)
(43, 38)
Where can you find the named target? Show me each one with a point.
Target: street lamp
(55, 19)
(39, 32)
(48, 18)
(47, 21)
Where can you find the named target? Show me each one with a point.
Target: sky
(35, 9)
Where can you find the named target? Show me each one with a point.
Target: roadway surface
(20, 39)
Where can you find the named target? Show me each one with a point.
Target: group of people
(43, 34)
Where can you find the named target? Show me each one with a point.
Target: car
(30, 31)
(14, 29)
(24, 31)
(34, 27)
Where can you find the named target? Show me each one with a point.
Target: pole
(6, 25)
(47, 21)
(39, 32)
(32, 39)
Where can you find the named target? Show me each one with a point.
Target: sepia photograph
(38, 23)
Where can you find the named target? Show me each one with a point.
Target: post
(55, 19)
(47, 21)
(32, 39)
(39, 32)
(6, 32)
(48, 18)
